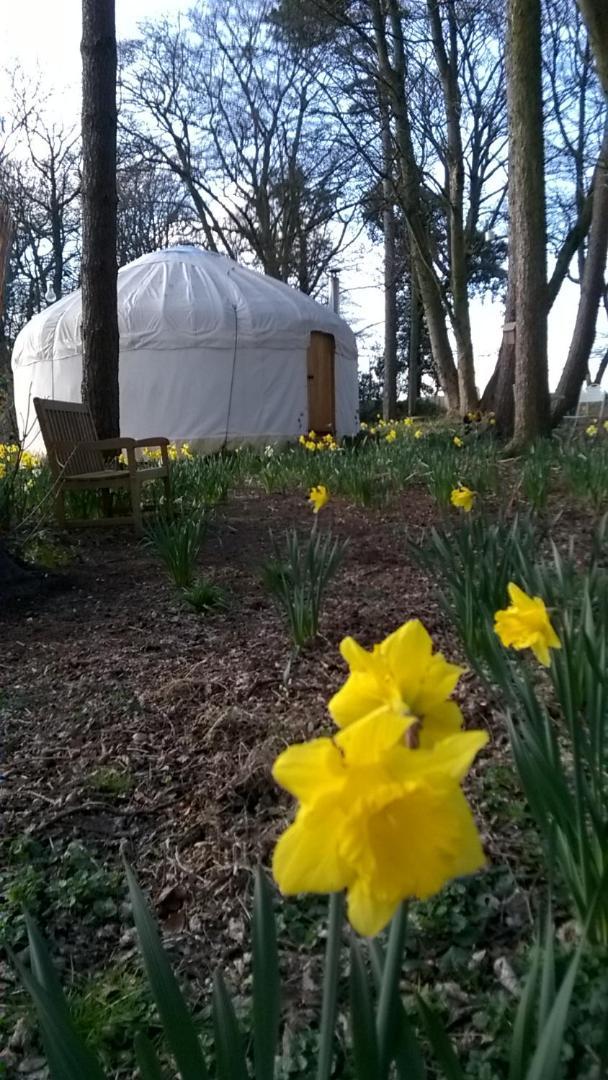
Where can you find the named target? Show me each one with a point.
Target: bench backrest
(68, 423)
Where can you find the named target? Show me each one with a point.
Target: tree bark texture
(595, 17)
(99, 206)
(446, 56)
(6, 237)
(572, 241)
(392, 74)
(592, 287)
(504, 400)
(413, 365)
(527, 224)
(389, 386)
(602, 368)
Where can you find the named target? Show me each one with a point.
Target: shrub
(204, 596)
(473, 563)
(298, 578)
(586, 470)
(536, 474)
(177, 542)
(558, 724)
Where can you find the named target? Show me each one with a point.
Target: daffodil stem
(389, 989)
(330, 984)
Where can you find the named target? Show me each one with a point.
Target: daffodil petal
(359, 695)
(365, 741)
(302, 768)
(440, 722)
(408, 652)
(517, 596)
(454, 755)
(438, 682)
(306, 858)
(368, 914)
(450, 758)
(357, 658)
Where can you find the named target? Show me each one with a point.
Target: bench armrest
(95, 444)
(155, 441)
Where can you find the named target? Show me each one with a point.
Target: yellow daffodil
(418, 434)
(390, 435)
(400, 678)
(28, 460)
(318, 497)
(591, 431)
(408, 422)
(457, 441)
(525, 624)
(312, 435)
(463, 498)
(363, 425)
(302, 440)
(8, 451)
(376, 818)
(605, 425)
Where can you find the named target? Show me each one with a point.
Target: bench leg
(168, 495)
(138, 521)
(60, 507)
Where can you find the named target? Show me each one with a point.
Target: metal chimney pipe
(334, 291)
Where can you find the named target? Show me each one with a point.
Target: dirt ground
(117, 672)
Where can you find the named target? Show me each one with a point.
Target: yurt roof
(184, 298)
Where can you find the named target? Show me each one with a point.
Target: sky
(44, 39)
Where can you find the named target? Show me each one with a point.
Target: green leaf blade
(266, 982)
(177, 1022)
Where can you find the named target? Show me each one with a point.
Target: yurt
(211, 353)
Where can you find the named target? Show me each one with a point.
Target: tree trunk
(595, 17)
(504, 400)
(572, 242)
(99, 205)
(601, 371)
(389, 386)
(527, 225)
(413, 367)
(592, 287)
(393, 78)
(6, 238)
(447, 64)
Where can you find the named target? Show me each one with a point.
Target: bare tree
(527, 227)
(447, 59)
(592, 289)
(390, 47)
(595, 15)
(99, 198)
(39, 174)
(49, 149)
(153, 208)
(233, 111)
(6, 236)
(389, 234)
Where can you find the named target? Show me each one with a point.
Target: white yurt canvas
(211, 353)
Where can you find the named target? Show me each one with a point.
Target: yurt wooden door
(321, 383)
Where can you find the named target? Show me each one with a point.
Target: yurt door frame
(321, 383)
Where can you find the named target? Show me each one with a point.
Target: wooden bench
(78, 459)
